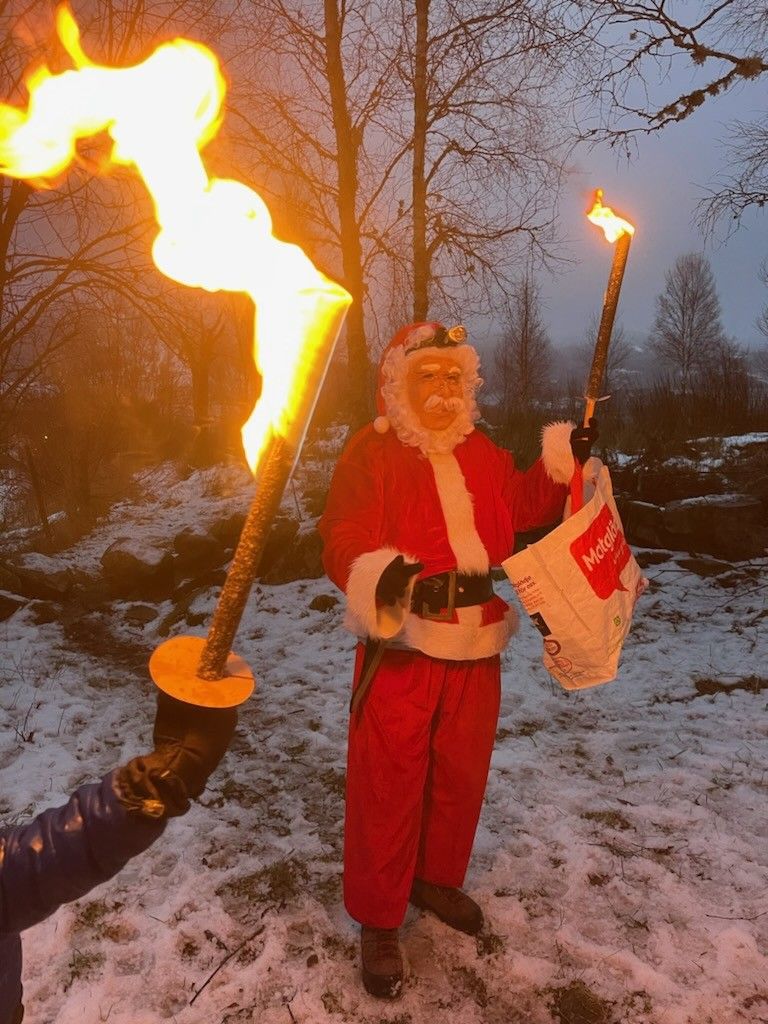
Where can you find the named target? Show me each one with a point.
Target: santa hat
(415, 341)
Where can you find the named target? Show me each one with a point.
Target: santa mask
(427, 383)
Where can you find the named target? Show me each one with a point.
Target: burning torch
(620, 231)
(214, 234)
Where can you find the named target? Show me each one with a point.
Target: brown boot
(452, 906)
(382, 962)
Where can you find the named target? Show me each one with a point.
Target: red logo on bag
(601, 553)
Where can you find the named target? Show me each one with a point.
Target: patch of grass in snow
(328, 889)
(612, 819)
(526, 728)
(9, 819)
(598, 880)
(238, 793)
(639, 1001)
(331, 1002)
(334, 781)
(531, 899)
(469, 982)
(575, 1003)
(85, 966)
(489, 943)
(89, 915)
(337, 948)
(277, 883)
(188, 948)
(96, 918)
(752, 684)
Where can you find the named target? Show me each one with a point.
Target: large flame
(613, 225)
(214, 233)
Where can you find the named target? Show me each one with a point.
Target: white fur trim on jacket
(556, 451)
(362, 614)
(464, 640)
(459, 515)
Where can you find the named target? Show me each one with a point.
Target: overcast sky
(658, 191)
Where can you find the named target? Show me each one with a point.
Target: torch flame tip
(613, 225)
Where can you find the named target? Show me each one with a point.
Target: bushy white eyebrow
(432, 367)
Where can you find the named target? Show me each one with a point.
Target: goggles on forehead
(442, 338)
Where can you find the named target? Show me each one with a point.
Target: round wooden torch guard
(173, 667)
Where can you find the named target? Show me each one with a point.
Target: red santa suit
(420, 749)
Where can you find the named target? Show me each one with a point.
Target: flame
(613, 225)
(214, 233)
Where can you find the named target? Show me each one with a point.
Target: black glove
(145, 786)
(189, 743)
(394, 581)
(582, 439)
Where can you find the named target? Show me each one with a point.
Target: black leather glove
(189, 741)
(394, 581)
(147, 787)
(582, 439)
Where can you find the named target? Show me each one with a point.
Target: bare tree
(687, 333)
(419, 145)
(724, 44)
(323, 80)
(522, 358)
(488, 147)
(81, 244)
(89, 239)
(761, 322)
(746, 185)
(762, 319)
(726, 40)
(99, 401)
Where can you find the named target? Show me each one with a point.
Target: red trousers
(417, 768)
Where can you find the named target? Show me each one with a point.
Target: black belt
(436, 597)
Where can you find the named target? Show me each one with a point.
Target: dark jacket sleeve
(67, 851)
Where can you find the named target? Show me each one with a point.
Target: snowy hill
(621, 860)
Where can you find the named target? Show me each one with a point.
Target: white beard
(405, 422)
(410, 430)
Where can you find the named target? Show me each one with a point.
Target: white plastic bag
(579, 585)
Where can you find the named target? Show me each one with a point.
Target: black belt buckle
(443, 614)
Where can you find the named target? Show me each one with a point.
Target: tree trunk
(13, 206)
(200, 371)
(421, 268)
(347, 146)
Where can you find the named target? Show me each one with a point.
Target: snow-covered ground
(621, 859)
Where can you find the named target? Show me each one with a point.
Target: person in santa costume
(420, 507)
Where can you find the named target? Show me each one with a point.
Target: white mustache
(437, 403)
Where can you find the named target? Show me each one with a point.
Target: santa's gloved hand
(394, 581)
(190, 741)
(582, 439)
